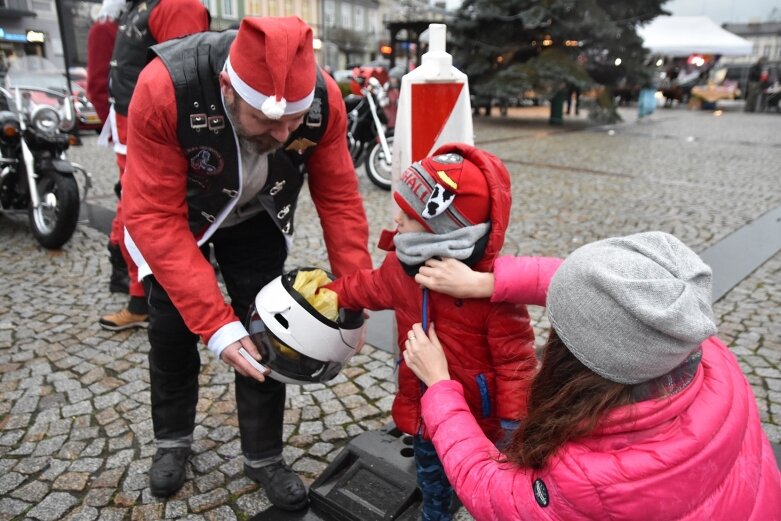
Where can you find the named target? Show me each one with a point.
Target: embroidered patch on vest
(300, 144)
(540, 492)
(205, 161)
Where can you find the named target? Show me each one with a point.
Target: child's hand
(424, 355)
(453, 277)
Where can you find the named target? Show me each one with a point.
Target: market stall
(690, 46)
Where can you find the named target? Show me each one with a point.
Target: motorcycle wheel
(378, 167)
(55, 219)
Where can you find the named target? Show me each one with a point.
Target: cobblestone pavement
(75, 428)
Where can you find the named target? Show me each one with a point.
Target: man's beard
(260, 144)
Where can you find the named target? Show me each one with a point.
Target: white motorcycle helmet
(296, 342)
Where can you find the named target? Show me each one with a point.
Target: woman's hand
(453, 277)
(424, 355)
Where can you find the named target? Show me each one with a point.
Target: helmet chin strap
(424, 318)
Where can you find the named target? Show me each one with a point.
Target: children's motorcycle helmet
(297, 343)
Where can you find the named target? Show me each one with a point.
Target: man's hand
(424, 355)
(233, 358)
(453, 277)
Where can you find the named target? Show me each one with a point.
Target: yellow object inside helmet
(309, 285)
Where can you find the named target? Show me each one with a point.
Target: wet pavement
(75, 430)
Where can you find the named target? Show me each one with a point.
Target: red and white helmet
(297, 343)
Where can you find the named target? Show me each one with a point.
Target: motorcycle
(36, 112)
(368, 135)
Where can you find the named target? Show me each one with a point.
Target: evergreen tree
(509, 46)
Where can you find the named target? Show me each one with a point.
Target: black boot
(283, 487)
(168, 471)
(119, 282)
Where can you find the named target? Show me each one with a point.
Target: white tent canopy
(685, 35)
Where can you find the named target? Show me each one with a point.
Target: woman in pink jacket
(637, 412)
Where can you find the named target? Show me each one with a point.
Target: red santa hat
(271, 65)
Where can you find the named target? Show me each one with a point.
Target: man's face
(254, 129)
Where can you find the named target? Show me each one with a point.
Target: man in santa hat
(223, 127)
(117, 46)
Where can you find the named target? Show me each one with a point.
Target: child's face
(407, 224)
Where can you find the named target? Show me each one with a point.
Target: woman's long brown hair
(566, 401)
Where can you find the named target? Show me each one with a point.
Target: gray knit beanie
(632, 308)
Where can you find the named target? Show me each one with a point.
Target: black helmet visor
(283, 359)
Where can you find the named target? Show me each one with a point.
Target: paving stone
(223, 513)
(34, 491)
(84, 513)
(210, 481)
(253, 503)
(73, 481)
(310, 428)
(207, 501)
(109, 478)
(94, 449)
(151, 512)
(175, 509)
(53, 506)
(112, 514)
(320, 449)
(126, 498)
(98, 497)
(10, 508)
(120, 459)
(309, 466)
(207, 461)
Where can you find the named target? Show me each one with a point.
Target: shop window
(359, 16)
(306, 11)
(330, 13)
(41, 7)
(229, 9)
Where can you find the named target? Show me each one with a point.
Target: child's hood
(498, 180)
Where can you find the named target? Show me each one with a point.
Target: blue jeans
(432, 481)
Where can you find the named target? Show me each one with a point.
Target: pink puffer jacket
(700, 454)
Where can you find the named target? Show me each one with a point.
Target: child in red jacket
(454, 204)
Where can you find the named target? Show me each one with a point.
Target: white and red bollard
(433, 108)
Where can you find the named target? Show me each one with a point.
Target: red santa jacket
(100, 45)
(169, 19)
(155, 206)
(489, 346)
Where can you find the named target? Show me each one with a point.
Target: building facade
(765, 38)
(346, 32)
(29, 27)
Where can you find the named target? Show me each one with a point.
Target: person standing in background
(143, 24)
(754, 87)
(100, 45)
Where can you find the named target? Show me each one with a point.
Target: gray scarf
(417, 247)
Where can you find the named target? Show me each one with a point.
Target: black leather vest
(130, 51)
(209, 143)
